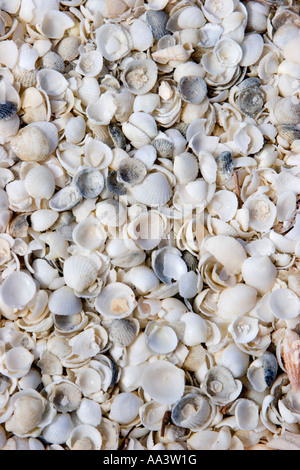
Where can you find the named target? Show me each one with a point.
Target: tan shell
(30, 144)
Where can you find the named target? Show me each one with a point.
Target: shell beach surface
(149, 225)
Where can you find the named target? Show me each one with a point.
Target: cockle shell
(116, 300)
(55, 23)
(90, 64)
(89, 182)
(160, 338)
(113, 41)
(79, 272)
(31, 144)
(260, 273)
(40, 183)
(163, 381)
(155, 190)
(68, 48)
(43, 219)
(193, 411)
(64, 302)
(140, 76)
(228, 251)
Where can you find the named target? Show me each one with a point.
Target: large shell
(18, 289)
(31, 144)
(163, 381)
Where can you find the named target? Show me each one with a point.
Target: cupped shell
(116, 300)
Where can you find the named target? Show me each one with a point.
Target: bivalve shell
(30, 144)
(40, 183)
(116, 300)
(163, 381)
(140, 76)
(63, 301)
(79, 272)
(18, 289)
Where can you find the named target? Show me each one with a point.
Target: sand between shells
(150, 228)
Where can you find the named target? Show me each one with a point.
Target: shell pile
(150, 224)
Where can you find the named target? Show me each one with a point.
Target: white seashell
(146, 103)
(75, 130)
(209, 35)
(236, 360)
(252, 47)
(189, 285)
(123, 331)
(64, 302)
(140, 76)
(287, 111)
(246, 414)
(284, 303)
(90, 64)
(116, 300)
(59, 430)
(185, 167)
(155, 190)
(163, 381)
(151, 414)
(84, 437)
(52, 60)
(224, 204)
(141, 35)
(228, 52)
(43, 219)
(89, 412)
(228, 251)
(142, 278)
(68, 48)
(18, 289)
(244, 329)
(193, 412)
(160, 338)
(30, 144)
(125, 407)
(27, 57)
(89, 234)
(49, 129)
(286, 205)
(196, 329)
(89, 182)
(8, 53)
(55, 23)
(97, 154)
(79, 272)
(290, 49)
(52, 82)
(173, 55)
(40, 183)
(16, 362)
(262, 212)
(220, 385)
(237, 300)
(147, 154)
(44, 273)
(113, 41)
(89, 91)
(102, 111)
(260, 273)
(64, 199)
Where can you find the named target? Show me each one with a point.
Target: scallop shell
(123, 331)
(290, 356)
(140, 76)
(75, 129)
(7, 110)
(116, 300)
(64, 302)
(52, 60)
(59, 430)
(79, 272)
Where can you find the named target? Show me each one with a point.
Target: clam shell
(284, 303)
(250, 101)
(236, 360)
(90, 64)
(260, 273)
(75, 130)
(115, 186)
(89, 234)
(55, 23)
(52, 82)
(193, 411)
(111, 213)
(52, 60)
(64, 302)
(157, 20)
(7, 110)
(123, 331)
(18, 289)
(113, 41)
(140, 76)
(43, 219)
(220, 385)
(141, 34)
(185, 167)
(89, 182)
(116, 300)
(142, 278)
(79, 272)
(228, 251)
(64, 199)
(155, 190)
(84, 437)
(68, 48)
(252, 47)
(59, 430)
(125, 407)
(40, 183)
(196, 330)
(163, 381)
(237, 300)
(30, 144)
(192, 89)
(131, 171)
(160, 338)
(89, 412)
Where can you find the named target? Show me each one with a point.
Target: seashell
(142, 279)
(287, 111)
(228, 251)
(224, 204)
(102, 111)
(163, 145)
(79, 272)
(234, 359)
(18, 289)
(115, 186)
(192, 89)
(196, 330)
(262, 212)
(52, 60)
(16, 363)
(244, 329)
(8, 109)
(252, 47)
(89, 234)
(52, 82)
(123, 331)
(111, 213)
(40, 183)
(36, 105)
(84, 437)
(225, 167)
(140, 76)
(220, 386)
(193, 411)
(90, 64)
(75, 130)
(9, 53)
(89, 412)
(19, 226)
(55, 23)
(147, 154)
(43, 219)
(160, 338)
(284, 303)
(168, 264)
(30, 144)
(113, 41)
(288, 132)
(185, 167)
(209, 34)
(228, 52)
(116, 300)
(246, 414)
(290, 356)
(63, 301)
(59, 430)
(97, 154)
(173, 55)
(89, 182)
(131, 171)
(163, 382)
(141, 34)
(140, 129)
(237, 300)
(125, 407)
(64, 199)
(117, 136)
(157, 20)
(260, 273)
(68, 48)
(270, 367)
(250, 101)
(155, 190)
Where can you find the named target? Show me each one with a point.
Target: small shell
(260, 273)
(224, 204)
(288, 132)
(55, 23)
(290, 355)
(68, 48)
(163, 381)
(228, 52)
(115, 186)
(43, 219)
(59, 430)
(157, 20)
(284, 303)
(193, 411)
(168, 264)
(237, 300)
(18, 289)
(142, 279)
(123, 331)
(84, 437)
(250, 101)
(252, 47)
(40, 183)
(140, 76)
(90, 64)
(163, 145)
(270, 367)
(196, 330)
(244, 329)
(225, 167)
(220, 385)
(125, 407)
(192, 89)
(236, 360)
(141, 35)
(7, 110)
(64, 302)
(228, 251)
(66, 198)
(89, 182)
(160, 338)
(111, 213)
(131, 171)
(117, 136)
(155, 190)
(116, 300)
(262, 212)
(51, 60)
(52, 82)
(30, 144)
(75, 130)
(89, 234)
(185, 167)
(80, 272)
(113, 41)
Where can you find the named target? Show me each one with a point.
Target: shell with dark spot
(131, 171)
(157, 20)
(89, 182)
(115, 186)
(7, 110)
